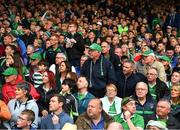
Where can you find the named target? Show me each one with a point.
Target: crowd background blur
(117, 42)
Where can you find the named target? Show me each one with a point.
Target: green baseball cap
(165, 58)
(148, 53)
(126, 100)
(95, 47)
(35, 56)
(10, 71)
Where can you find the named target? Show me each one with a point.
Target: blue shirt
(99, 126)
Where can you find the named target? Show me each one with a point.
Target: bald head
(115, 126)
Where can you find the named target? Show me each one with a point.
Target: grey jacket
(16, 108)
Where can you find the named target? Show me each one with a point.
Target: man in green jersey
(128, 118)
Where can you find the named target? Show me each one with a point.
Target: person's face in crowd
(8, 50)
(141, 90)
(147, 35)
(42, 67)
(7, 40)
(169, 29)
(48, 25)
(110, 32)
(108, 39)
(166, 64)
(124, 48)
(45, 78)
(34, 62)
(130, 106)
(175, 91)
(22, 121)
(178, 39)
(94, 109)
(9, 60)
(115, 41)
(54, 40)
(65, 88)
(160, 47)
(30, 50)
(131, 46)
(162, 109)
(124, 39)
(64, 27)
(175, 78)
(10, 78)
(91, 35)
(62, 67)
(54, 104)
(48, 43)
(148, 59)
(72, 28)
(82, 60)
(115, 29)
(177, 49)
(59, 58)
(35, 43)
(173, 41)
(127, 68)
(143, 29)
(82, 83)
(111, 92)
(118, 51)
(153, 128)
(170, 53)
(93, 54)
(61, 39)
(158, 36)
(105, 47)
(131, 35)
(20, 93)
(152, 75)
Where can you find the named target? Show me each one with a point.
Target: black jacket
(162, 90)
(43, 101)
(126, 86)
(77, 49)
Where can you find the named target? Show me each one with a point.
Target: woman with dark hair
(22, 101)
(64, 68)
(145, 105)
(175, 79)
(73, 76)
(70, 105)
(46, 90)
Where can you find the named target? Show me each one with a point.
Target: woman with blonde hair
(175, 101)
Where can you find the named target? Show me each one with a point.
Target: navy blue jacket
(99, 73)
(46, 123)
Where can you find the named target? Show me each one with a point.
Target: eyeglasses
(140, 89)
(151, 74)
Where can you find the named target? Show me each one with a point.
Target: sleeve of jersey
(74, 107)
(139, 123)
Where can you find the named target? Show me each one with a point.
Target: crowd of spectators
(90, 64)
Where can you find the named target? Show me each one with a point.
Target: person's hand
(127, 115)
(44, 113)
(55, 119)
(72, 40)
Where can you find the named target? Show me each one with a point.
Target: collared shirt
(136, 119)
(99, 126)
